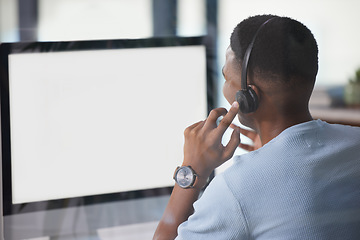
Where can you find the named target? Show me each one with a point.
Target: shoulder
(342, 129)
(283, 157)
(335, 126)
(340, 135)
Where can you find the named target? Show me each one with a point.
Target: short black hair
(284, 48)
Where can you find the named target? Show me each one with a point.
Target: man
(303, 183)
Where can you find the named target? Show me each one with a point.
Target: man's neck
(271, 128)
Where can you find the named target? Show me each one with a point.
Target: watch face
(185, 177)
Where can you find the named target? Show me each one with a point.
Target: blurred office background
(333, 22)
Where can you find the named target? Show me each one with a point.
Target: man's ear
(257, 91)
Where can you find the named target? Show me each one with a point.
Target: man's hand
(253, 136)
(203, 149)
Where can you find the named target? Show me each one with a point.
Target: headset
(246, 97)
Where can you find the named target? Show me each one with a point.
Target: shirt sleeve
(217, 215)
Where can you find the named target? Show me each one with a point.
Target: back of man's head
(284, 50)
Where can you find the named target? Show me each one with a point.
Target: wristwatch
(185, 177)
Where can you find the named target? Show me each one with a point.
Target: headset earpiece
(248, 100)
(246, 97)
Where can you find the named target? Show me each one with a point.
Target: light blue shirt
(303, 184)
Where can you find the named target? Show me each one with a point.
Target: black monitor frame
(26, 47)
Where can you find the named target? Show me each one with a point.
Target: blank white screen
(105, 121)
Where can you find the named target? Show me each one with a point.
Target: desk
(320, 108)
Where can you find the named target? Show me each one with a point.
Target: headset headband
(247, 57)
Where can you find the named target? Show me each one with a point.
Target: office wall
(191, 17)
(8, 21)
(333, 23)
(92, 19)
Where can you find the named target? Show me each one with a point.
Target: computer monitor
(87, 122)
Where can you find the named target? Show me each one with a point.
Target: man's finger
(246, 147)
(193, 126)
(213, 116)
(232, 145)
(248, 133)
(228, 118)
